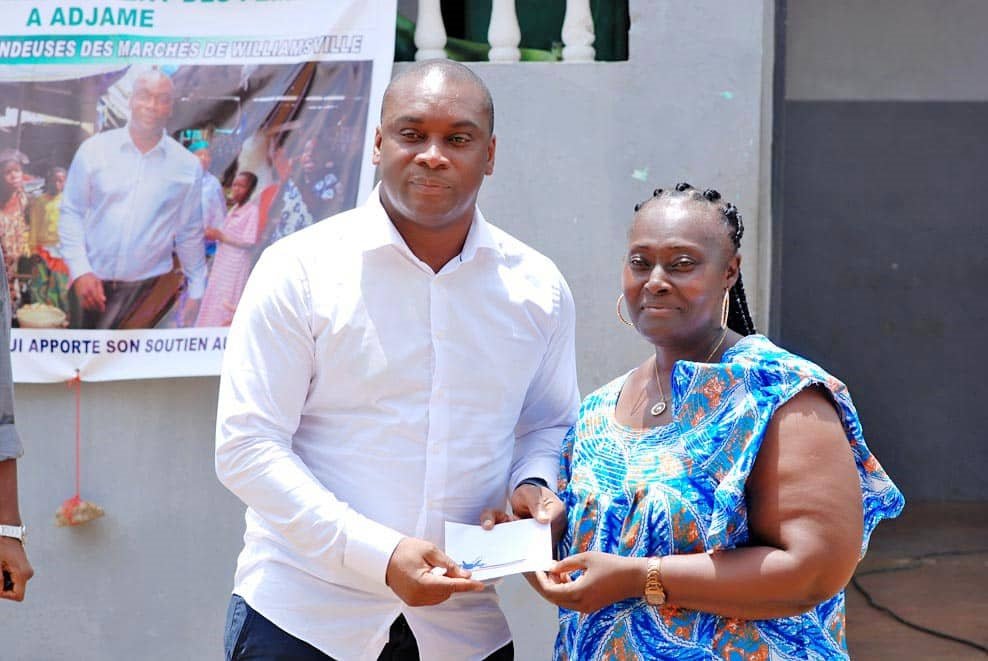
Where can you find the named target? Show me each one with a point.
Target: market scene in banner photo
(231, 118)
(294, 131)
(151, 153)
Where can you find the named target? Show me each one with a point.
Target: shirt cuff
(10, 443)
(78, 266)
(544, 469)
(369, 546)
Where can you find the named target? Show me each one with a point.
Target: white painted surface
(504, 34)
(430, 31)
(578, 32)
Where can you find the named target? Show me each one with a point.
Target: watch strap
(655, 593)
(534, 481)
(16, 532)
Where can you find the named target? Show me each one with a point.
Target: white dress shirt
(364, 398)
(124, 213)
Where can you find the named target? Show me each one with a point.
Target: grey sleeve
(10, 441)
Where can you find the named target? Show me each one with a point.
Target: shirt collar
(479, 237)
(379, 231)
(128, 142)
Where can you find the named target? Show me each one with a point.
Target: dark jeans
(252, 637)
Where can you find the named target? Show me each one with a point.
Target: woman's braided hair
(738, 317)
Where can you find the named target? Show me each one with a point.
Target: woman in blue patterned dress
(719, 495)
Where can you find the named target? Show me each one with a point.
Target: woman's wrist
(637, 574)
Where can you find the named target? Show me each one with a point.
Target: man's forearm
(192, 257)
(71, 232)
(9, 509)
(271, 479)
(190, 240)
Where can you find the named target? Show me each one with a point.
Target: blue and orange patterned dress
(679, 488)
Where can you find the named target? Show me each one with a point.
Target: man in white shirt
(132, 199)
(15, 570)
(396, 366)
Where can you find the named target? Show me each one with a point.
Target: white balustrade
(504, 34)
(578, 34)
(430, 31)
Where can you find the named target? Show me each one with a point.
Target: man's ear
(376, 158)
(491, 148)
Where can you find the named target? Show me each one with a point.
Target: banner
(151, 150)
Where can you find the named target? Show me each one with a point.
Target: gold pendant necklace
(660, 406)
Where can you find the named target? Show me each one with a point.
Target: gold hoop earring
(725, 309)
(621, 316)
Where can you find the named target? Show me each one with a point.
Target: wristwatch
(655, 594)
(17, 532)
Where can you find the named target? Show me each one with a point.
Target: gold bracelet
(655, 594)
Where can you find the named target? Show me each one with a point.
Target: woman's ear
(733, 270)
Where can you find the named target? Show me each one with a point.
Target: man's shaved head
(443, 69)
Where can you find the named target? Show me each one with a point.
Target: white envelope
(509, 548)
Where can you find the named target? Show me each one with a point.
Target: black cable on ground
(915, 562)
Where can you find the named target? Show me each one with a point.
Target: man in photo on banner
(133, 204)
(396, 366)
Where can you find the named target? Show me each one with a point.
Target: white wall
(151, 579)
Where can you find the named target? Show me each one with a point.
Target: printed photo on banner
(140, 197)
(149, 154)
